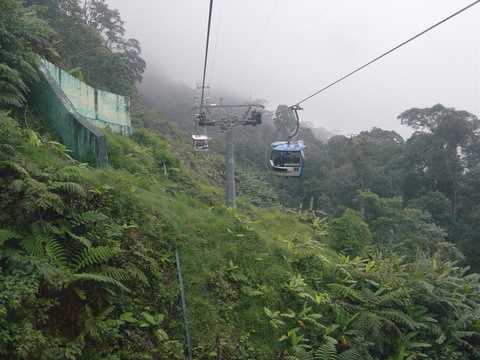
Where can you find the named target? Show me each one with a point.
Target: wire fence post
(186, 325)
(230, 194)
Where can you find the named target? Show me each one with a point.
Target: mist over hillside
(174, 101)
(320, 132)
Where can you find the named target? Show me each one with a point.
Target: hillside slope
(88, 269)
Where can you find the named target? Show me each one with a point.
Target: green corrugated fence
(102, 108)
(86, 142)
(113, 111)
(76, 110)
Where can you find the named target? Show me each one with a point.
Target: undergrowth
(88, 272)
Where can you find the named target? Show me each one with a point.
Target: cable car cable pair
(287, 158)
(286, 155)
(388, 52)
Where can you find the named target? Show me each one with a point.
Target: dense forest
(435, 171)
(379, 261)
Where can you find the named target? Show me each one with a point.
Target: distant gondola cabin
(200, 142)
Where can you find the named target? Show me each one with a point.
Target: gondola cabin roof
(288, 146)
(199, 137)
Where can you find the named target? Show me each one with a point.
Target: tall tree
(437, 150)
(21, 31)
(91, 41)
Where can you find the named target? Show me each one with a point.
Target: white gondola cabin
(200, 142)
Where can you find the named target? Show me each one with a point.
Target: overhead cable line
(216, 40)
(388, 52)
(206, 55)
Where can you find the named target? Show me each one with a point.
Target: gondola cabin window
(286, 158)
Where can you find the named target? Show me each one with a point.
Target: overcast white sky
(284, 50)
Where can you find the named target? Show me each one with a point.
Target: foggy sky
(284, 50)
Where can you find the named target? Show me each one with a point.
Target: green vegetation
(20, 32)
(72, 253)
(434, 171)
(88, 269)
(349, 234)
(89, 38)
(86, 255)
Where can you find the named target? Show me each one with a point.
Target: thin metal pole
(230, 194)
(188, 339)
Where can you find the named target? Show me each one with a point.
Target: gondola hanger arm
(295, 109)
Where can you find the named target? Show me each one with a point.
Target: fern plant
(12, 86)
(20, 28)
(62, 268)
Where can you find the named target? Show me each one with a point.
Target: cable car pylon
(251, 117)
(200, 136)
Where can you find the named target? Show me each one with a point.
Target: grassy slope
(227, 255)
(236, 263)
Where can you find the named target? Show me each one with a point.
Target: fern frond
(368, 323)
(327, 351)
(89, 217)
(34, 246)
(150, 263)
(127, 274)
(397, 297)
(60, 149)
(56, 253)
(33, 138)
(118, 274)
(351, 354)
(94, 256)
(12, 86)
(464, 334)
(12, 77)
(301, 354)
(68, 173)
(48, 201)
(399, 318)
(69, 188)
(9, 99)
(346, 292)
(136, 274)
(9, 88)
(99, 278)
(28, 70)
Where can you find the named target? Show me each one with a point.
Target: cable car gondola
(287, 157)
(200, 142)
